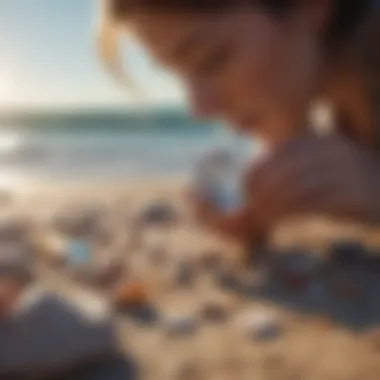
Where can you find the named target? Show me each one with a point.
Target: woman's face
(253, 70)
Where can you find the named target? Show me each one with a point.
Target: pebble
(215, 313)
(253, 282)
(158, 213)
(345, 288)
(296, 270)
(210, 261)
(346, 253)
(261, 325)
(129, 294)
(373, 263)
(145, 315)
(103, 236)
(16, 264)
(180, 325)
(183, 273)
(78, 255)
(109, 274)
(226, 280)
(79, 221)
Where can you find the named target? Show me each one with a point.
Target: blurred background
(63, 117)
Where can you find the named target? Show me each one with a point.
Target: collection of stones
(294, 278)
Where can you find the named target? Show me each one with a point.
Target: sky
(48, 60)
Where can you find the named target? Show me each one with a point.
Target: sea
(103, 145)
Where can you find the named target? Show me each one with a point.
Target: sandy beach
(308, 347)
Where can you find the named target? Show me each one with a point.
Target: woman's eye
(216, 60)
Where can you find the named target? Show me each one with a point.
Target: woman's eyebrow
(183, 49)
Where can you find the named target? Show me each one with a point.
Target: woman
(258, 64)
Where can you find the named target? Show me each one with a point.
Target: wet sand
(308, 347)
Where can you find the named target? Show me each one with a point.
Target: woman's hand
(328, 176)
(235, 225)
(307, 176)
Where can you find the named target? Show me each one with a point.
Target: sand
(309, 347)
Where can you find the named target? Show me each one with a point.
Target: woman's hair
(345, 18)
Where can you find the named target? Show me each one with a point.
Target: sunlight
(6, 85)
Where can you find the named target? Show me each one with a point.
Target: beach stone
(180, 325)
(254, 281)
(103, 236)
(184, 273)
(50, 334)
(344, 287)
(158, 213)
(15, 263)
(372, 263)
(261, 325)
(78, 254)
(210, 260)
(346, 253)
(296, 270)
(79, 221)
(130, 293)
(109, 274)
(145, 315)
(225, 279)
(215, 313)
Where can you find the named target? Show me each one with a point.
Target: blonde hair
(108, 36)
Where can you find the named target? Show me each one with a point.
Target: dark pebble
(17, 265)
(158, 213)
(211, 261)
(266, 333)
(372, 263)
(297, 270)
(264, 330)
(78, 222)
(253, 285)
(103, 236)
(345, 288)
(226, 280)
(214, 313)
(109, 274)
(184, 273)
(346, 253)
(145, 315)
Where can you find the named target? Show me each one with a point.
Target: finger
(308, 196)
(296, 147)
(282, 191)
(285, 169)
